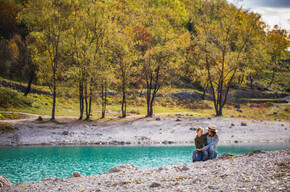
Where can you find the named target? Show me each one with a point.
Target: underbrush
(12, 98)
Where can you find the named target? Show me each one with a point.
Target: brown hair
(198, 129)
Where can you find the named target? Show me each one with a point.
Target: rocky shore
(141, 131)
(257, 171)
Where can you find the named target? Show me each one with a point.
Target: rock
(158, 119)
(39, 118)
(237, 106)
(286, 129)
(209, 118)
(232, 136)
(123, 168)
(154, 184)
(232, 124)
(192, 129)
(258, 151)
(76, 174)
(178, 120)
(184, 168)
(232, 116)
(243, 124)
(250, 154)
(282, 125)
(275, 113)
(225, 155)
(144, 138)
(65, 132)
(4, 182)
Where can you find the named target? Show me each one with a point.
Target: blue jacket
(211, 141)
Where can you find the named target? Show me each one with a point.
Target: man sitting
(212, 140)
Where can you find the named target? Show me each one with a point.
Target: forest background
(127, 53)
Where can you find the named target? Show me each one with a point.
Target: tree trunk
(90, 100)
(54, 96)
(273, 76)
(81, 99)
(86, 98)
(31, 77)
(104, 100)
(148, 99)
(124, 102)
(251, 82)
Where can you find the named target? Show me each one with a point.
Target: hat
(212, 128)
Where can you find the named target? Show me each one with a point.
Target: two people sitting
(205, 144)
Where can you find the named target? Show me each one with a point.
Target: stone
(224, 156)
(178, 120)
(184, 168)
(239, 110)
(258, 151)
(232, 124)
(209, 118)
(158, 119)
(243, 124)
(250, 154)
(4, 182)
(237, 106)
(154, 184)
(76, 174)
(144, 138)
(275, 113)
(65, 132)
(39, 118)
(123, 168)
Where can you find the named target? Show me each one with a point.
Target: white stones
(4, 182)
(123, 168)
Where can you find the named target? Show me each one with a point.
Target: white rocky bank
(260, 171)
(138, 130)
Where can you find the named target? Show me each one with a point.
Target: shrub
(12, 98)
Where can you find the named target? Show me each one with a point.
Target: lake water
(28, 164)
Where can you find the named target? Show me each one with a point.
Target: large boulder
(123, 168)
(4, 182)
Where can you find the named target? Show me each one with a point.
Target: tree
(226, 37)
(160, 41)
(279, 43)
(47, 21)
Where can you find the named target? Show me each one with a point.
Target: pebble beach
(258, 171)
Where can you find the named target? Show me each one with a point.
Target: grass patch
(11, 116)
(6, 128)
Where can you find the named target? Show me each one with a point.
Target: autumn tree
(47, 21)
(160, 41)
(226, 36)
(278, 45)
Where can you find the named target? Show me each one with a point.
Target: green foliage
(81, 47)
(12, 98)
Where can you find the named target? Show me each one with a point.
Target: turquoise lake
(28, 164)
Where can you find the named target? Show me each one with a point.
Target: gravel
(265, 171)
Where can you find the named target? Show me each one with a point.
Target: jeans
(199, 156)
(212, 152)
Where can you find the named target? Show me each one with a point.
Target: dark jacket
(200, 142)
